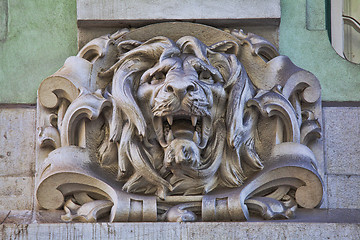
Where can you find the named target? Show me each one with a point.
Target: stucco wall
(304, 39)
(37, 36)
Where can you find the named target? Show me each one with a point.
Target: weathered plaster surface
(17, 155)
(40, 35)
(16, 193)
(311, 50)
(3, 19)
(342, 141)
(17, 142)
(343, 191)
(342, 156)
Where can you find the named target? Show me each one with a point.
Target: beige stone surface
(17, 141)
(343, 191)
(342, 140)
(16, 193)
(172, 9)
(221, 230)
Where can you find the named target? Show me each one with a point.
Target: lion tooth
(158, 126)
(205, 132)
(193, 120)
(170, 137)
(170, 119)
(196, 138)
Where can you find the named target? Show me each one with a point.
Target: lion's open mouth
(182, 125)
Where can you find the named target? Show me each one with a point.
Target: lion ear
(229, 47)
(128, 45)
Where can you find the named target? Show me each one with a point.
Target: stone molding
(110, 12)
(230, 230)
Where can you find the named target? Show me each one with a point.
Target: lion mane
(145, 161)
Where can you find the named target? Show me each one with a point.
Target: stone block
(16, 216)
(343, 191)
(112, 10)
(17, 141)
(342, 140)
(221, 230)
(16, 193)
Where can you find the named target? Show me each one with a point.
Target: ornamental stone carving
(178, 122)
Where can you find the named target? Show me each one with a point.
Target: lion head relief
(179, 117)
(125, 125)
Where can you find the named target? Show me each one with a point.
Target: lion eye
(205, 76)
(157, 78)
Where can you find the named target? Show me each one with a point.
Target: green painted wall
(304, 39)
(41, 34)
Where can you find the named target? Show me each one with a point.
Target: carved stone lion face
(183, 93)
(177, 96)
(125, 123)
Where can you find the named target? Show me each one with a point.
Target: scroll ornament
(175, 129)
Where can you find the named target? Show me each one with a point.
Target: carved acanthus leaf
(182, 212)
(270, 208)
(87, 105)
(292, 168)
(259, 46)
(304, 82)
(65, 83)
(49, 137)
(99, 47)
(273, 103)
(310, 130)
(88, 212)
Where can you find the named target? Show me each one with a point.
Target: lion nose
(180, 87)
